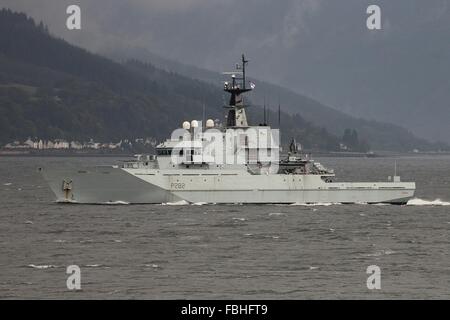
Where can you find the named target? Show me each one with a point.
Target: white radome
(194, 124)
(186, 125)
(210, 123)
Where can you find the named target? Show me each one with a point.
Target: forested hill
(51, 89)
(380, 135)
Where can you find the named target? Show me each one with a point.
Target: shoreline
(318, 154)
(27, 154)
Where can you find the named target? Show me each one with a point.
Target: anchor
(67, 188)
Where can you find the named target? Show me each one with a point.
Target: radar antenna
(238, 86)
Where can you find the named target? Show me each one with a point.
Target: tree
(351, 140)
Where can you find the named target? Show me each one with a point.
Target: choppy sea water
(226, 251)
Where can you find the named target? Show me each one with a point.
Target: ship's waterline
(106, 185)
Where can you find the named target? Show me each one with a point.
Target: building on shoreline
(41, 145)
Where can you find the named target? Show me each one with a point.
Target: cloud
(171, 5)
(295, 22)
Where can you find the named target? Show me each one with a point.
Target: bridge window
(164, 152)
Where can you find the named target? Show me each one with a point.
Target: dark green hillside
(76, 94)
(380, 135)
(310, 135)
(51, 89)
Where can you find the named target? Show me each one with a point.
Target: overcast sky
(209, 33)
(318, 47)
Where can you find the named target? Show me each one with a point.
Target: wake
(422, 202)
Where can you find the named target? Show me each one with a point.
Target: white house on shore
(61, 144)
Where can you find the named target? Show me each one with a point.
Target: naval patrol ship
(220, 163)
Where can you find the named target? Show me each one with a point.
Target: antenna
(236, 88)
(279, 114)
(264, 123)
(203, 114)
(244, 62)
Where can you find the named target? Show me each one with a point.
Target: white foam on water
(239, 219)
(7, 184)
(380, 253)
(113, 292)
(199, 203)
(177, 203)
(276, 214)
(93, 265)
(422, 202)
(324, 204)
(116, 203)
(66, 201)
(375, 254)
(44, 266)
(28, 222)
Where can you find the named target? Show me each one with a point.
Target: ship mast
(236, 113)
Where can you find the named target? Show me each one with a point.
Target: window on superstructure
(164, 152)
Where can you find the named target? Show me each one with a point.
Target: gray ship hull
(233, 162)
(109, 185)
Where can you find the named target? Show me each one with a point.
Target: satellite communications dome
(186, 125)
(210, 123)
(194, 123)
